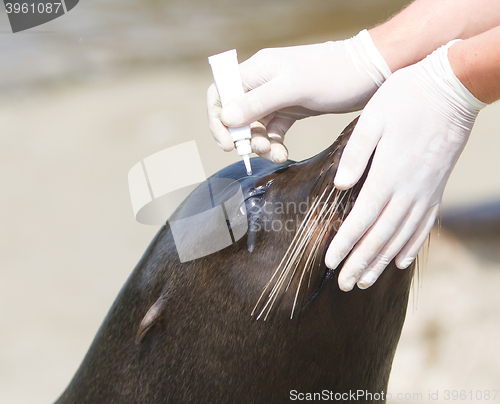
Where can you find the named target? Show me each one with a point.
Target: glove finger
(278, 127)
(278, 152)
(417, 240)
(260, 141)
(257, 103)
(219, 131)
(358, 151)
(276, 130)
(372, 244)
(371, 201)
(392, 248)
(411, 226)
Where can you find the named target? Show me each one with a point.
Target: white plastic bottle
(228, 82)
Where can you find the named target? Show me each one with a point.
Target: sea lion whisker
(298, 246)
(290, 248)
(285, 270)
(292, 262)
(304, 237)
(309, 264)
(314, 251)
(270, 280)
(299, 251)
(295, 262)
(276, 272)
(318, 229)
(316, 255)
(297, 294)
(277, 282)
(327, 205)
(279, 286)
(317, 242)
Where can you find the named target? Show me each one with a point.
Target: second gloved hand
(419, 122)
(287, 84)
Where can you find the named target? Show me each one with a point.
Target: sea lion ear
(150, 318)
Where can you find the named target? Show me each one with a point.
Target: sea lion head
(257, 318)
(290, 213)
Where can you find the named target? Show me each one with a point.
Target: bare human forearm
(476, 63)
(425, 25)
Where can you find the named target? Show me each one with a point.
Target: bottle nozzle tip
(246, 160)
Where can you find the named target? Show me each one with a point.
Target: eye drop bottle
(228, 82)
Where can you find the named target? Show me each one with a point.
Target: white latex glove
(287, 84)
(419, 121)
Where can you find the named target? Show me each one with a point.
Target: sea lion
(261, 321)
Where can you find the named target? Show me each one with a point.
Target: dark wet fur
(183, 333)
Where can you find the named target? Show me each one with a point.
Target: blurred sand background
(86, 96)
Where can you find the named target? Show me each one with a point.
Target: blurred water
(98, 37)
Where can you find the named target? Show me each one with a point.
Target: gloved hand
(287, 84)
(419, 122)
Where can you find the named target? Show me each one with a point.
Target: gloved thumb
(256, 104)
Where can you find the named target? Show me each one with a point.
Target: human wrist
(425, 25)
(388, 46)
(407, 38)
(430, 90)
(476, 63)
(460, 66)
(444, 89)
(401, 46)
